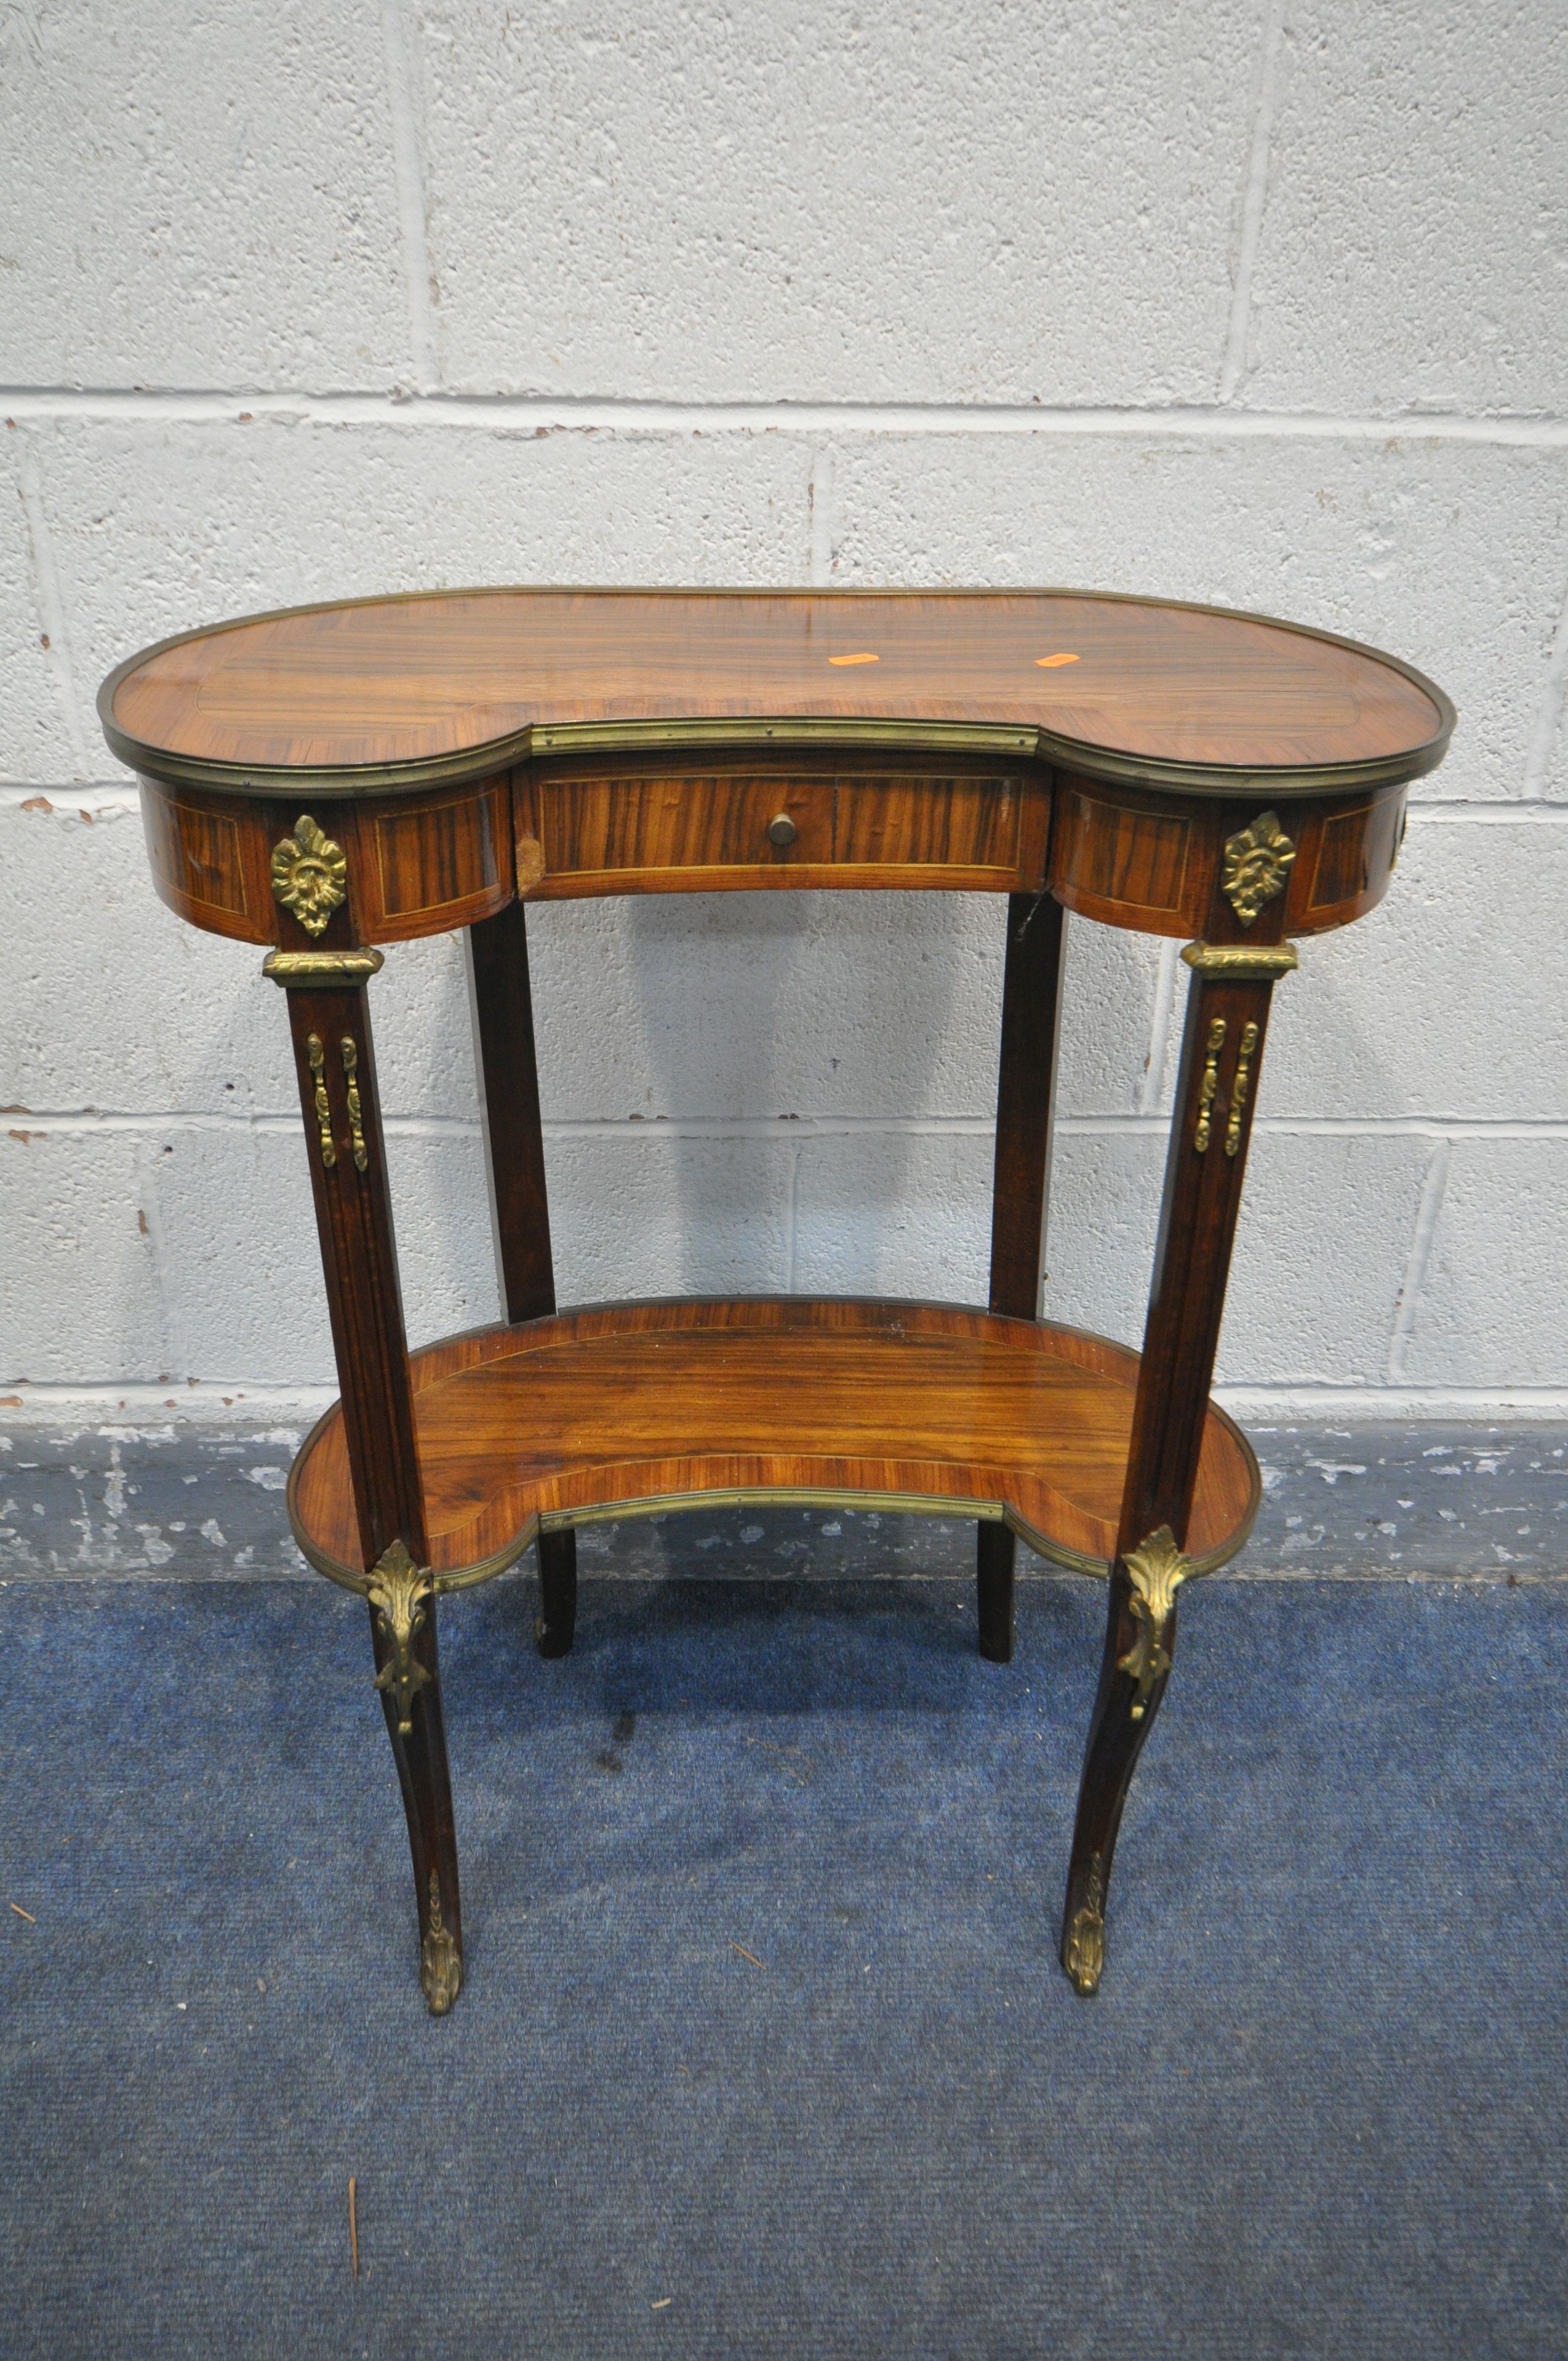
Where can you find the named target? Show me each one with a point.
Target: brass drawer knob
(781, 830)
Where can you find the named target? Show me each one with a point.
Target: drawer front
(681, 823)
(660, 831)
(925, 822)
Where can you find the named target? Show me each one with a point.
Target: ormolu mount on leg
(1154, 1570)
(398, 1591)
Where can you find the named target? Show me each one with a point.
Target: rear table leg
(1030, 1006)
(997, 1549)
(503, 1005)
(557, 1622)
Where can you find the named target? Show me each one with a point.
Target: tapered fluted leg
(330, 1021)
(1227, 1014)
(1031, 1004)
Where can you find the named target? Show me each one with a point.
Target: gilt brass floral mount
(1258, 861)
(310, 875)
(1155, 1569)
(398, 1590)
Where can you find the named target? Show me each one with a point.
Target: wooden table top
(375, 695)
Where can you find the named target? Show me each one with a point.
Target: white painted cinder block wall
(1258, 302)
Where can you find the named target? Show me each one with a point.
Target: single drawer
(679, 826)
(651, 828)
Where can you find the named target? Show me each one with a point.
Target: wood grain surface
(1130, 857)
(422, 680)
(642, 825)
(624, 1404)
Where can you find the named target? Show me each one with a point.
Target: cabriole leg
(1031, 1008)
(1227, 1015)
(330, 1020)
(503, 1005)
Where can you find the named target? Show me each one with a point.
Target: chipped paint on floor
(189, 1501)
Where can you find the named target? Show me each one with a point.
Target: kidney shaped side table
(338, 777)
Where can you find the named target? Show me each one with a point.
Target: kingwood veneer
(338, 777)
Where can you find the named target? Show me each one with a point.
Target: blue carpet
(1317, 2111)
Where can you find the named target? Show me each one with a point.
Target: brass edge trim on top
(323, 967)
(1242, 784)
(454, 769)
(303, 783)
(800, 730)
(467, 765)
(363, 782)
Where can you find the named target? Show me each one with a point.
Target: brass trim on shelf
(350, 1577)
(1241, 962)
(465, 764)
(304, 968)
(775, 1496)
(1076, 1562)
(911, 1504)
(557, 1521)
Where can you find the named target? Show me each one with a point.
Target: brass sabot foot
(441, 1972)
(1083, 1940)
(440, 1961)
(1084, 1951)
